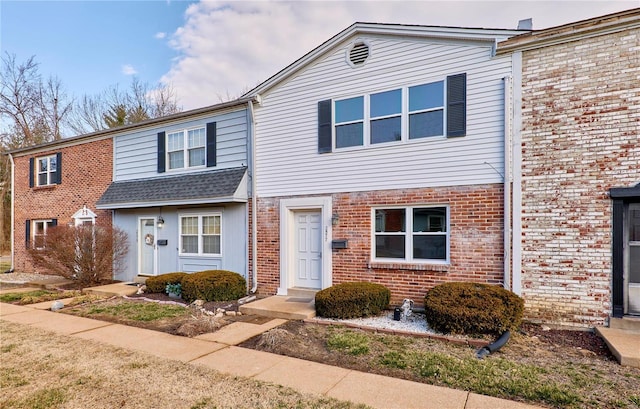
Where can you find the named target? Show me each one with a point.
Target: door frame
(140, 244)
(288, 207)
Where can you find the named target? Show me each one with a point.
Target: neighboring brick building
(580, 137)
(52, 183)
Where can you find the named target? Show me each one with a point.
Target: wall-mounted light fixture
(335, 219)
(160, 222)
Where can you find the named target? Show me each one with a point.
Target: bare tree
(87, 254)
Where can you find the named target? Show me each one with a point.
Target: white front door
(632, 276)
(308, 249)
(147, 246)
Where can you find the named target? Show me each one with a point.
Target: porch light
(335, 219)
(160, 222)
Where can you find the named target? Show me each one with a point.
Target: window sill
(191, 255)
(44, 187)
(441, 268)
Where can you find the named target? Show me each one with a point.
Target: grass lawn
(42, 370)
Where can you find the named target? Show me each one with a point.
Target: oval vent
(359, 54)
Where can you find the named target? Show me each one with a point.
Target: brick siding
(476, 240)
(86, 173)
(581, 116)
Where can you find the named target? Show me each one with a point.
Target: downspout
(13, 211)
(254, 199)
(508, 103)
(516, 200)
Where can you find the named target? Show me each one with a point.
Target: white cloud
(160, 35)
(128, 69)
(228, 47)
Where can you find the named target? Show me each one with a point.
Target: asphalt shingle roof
(192, 186)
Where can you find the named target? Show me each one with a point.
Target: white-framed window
(39, 232)
(47, 170)
(394, 115)
(414, 234)
(187, 148)
(201, 234)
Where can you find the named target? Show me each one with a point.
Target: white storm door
(308, 250)
(147, 246)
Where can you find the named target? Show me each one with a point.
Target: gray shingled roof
(193, 186)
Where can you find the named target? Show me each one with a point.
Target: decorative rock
(198, 303)
(231, 313)
(57, 305)
(219, 315)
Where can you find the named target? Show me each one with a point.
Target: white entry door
(632, 276)
(308, 250)
(147, 246)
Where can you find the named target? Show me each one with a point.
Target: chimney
(525, 24)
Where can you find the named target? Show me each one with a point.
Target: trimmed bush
(472, 308)
(352, 300)
(213, 285)
(158, 284)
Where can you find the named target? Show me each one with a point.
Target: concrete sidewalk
(219, 351)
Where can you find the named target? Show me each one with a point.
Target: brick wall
(581, 118)
(86, 173)
(476, 239)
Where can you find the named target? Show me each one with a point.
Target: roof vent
(359, 54)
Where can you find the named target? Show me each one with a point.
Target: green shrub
(472, 308)
(158, 284)
(213, 285)
(352, 300)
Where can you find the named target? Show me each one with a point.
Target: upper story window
(45, 170)
(411, 234)
(186, 148)
(201, 234)
(189, 148)
(420, 111)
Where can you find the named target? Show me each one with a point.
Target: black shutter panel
(161, 152)
(324, 126)
(59, 168)
(54, 222)
(457, 105)
(31, 170)
(212, 141)
(27, 237)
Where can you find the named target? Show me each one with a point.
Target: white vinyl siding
(288, 162)
(136, 153)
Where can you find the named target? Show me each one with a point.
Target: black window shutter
(54, 222)
(457, 105)
(324, 126)
(27, 237)
(212, 141)
(59, 168)
(32, 169)
(161, 152)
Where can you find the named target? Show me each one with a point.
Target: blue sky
(213, 50)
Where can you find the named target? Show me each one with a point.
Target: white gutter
(254, 199)
(508, 104)
(516, 200)
(13, 211)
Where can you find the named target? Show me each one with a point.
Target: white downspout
(508, 89)
(254, 200)
(13, 211)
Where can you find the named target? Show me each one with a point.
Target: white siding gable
(135, 153)
(288, 162)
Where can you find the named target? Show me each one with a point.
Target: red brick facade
(476, 239)
(580, 137)
(87, 170)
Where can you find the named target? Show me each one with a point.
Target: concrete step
(109, 290)
(631, 323)
(302, 293)
(278, 306)
(623, 343)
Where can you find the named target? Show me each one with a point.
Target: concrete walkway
(219, 351)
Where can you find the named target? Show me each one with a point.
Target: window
(411, 234)
(47, 170)
(40, 228)
(399, 115)
(200, 234)
(186, 149)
